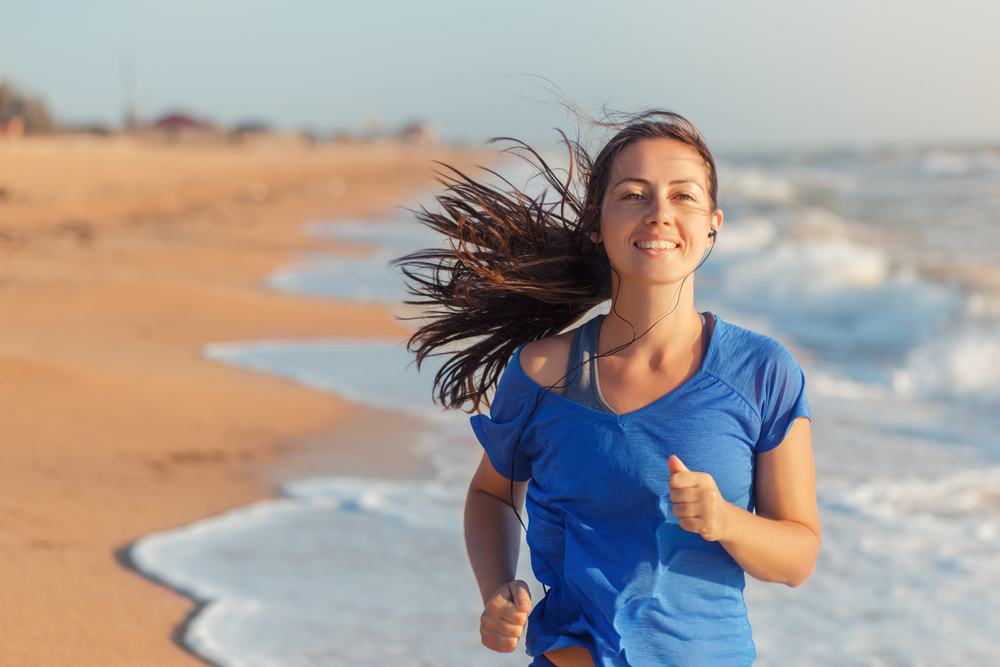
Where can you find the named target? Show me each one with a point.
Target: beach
(120, 259)
(204, 382)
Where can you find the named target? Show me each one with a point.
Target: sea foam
(352, 572)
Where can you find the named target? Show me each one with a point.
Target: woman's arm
(780, 542)
(493, 538)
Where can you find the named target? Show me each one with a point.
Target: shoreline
(119, 261)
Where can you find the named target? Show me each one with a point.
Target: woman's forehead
(659, 157)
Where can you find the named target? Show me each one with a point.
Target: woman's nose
(659, 211)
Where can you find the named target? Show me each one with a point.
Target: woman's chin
(653, 280)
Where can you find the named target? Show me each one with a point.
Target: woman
(643, 441)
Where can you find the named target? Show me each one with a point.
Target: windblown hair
(518, 268)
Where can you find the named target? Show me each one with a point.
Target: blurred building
(179, 126)
(419, 134)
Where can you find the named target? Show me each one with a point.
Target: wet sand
(119, 260)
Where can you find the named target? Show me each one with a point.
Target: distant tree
(32, 111)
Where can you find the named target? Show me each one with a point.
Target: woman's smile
(655, 244)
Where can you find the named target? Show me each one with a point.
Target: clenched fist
(505, 616)
(697, 501)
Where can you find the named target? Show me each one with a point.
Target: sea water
(877, 269)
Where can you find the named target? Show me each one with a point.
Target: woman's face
(657, 213)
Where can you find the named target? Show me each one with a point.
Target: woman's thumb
(674, 464)
(521, 595)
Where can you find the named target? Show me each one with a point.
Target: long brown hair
(518, 268)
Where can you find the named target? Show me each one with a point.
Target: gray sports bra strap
(581, 384)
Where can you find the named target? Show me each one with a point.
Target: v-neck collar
(707, 356)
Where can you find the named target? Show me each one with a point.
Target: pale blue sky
(750, 74)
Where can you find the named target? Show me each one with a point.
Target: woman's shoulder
(751, 362)
(763, 372)
(545, 360)
(740, 345)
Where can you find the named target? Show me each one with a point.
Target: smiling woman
(661, 452)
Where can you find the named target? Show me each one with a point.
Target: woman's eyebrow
(643, 181)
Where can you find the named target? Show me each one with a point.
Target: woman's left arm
(780, 542)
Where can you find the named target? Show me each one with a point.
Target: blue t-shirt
(625, 581)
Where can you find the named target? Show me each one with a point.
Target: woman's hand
(697, 501)
(493, 537)
(505, 616)
(781, 541)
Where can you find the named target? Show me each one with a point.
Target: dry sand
(119, 260)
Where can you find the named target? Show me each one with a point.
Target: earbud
(713, 233)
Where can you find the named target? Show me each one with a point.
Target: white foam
(838, 387)
(372, 278)
(345, 572)
(961, 364)
(386, 236)
(345, 278)
(959, 163)
(838, 298)
(746, 235)
(381, 373)
(817, 267)
(906, 576)
(368, 279)
(754, 184)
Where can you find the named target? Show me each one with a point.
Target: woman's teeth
(655, 245)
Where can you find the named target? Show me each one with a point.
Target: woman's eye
(686, 196)
(632, 195)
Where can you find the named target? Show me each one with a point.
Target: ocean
(878, 269)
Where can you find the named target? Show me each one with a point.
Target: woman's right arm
(493, 538)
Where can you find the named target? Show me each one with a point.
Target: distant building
(419, 134)
(177, 126)
(177, 122)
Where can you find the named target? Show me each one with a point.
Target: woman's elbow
(800, 578)
(805, 565)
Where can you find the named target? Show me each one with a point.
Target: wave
(968, 494)
(342, 572)
(840, 298)
(901, 579)
(963, 364)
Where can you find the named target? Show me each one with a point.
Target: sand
(119, 259)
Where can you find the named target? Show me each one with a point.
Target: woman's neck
(662, 315)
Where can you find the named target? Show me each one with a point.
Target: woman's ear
(716, 223)
(595, 237)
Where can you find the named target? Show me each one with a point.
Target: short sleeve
(509, 412)
(784, 393)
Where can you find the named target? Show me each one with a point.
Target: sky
(767, 74)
